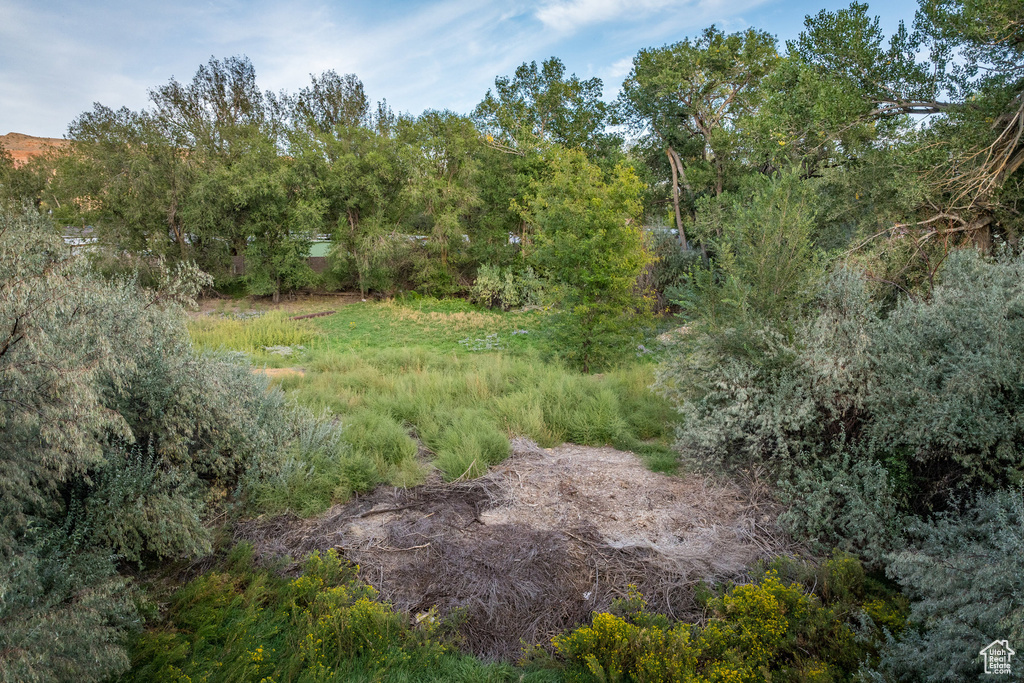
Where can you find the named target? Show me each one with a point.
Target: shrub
(841, 499)
(238, 622)
(589, 245)
(359, 474)
(766, 630)
(965, 572)
(504, 288)
(765, 266)
(948, 400)
(135, 506)
(120, 439)
(862, 414)
(671, 270)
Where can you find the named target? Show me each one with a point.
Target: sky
(59, 57)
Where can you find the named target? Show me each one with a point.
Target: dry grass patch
(278, 373)
(457, 321)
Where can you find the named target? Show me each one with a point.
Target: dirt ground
(541, 541)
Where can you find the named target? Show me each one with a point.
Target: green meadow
(424, 384)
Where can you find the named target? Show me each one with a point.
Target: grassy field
(425, 384)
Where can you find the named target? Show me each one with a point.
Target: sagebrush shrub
(506, 288)
(120, 438)
(862, 412)
(965, 573)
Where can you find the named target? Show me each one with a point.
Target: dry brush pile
(540, 542)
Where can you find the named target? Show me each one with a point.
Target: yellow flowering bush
(638, 647)
(769, 630)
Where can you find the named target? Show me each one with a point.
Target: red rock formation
(24, 147)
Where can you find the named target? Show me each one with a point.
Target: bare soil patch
(541, 541)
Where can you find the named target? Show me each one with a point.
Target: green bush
(765, 264)
(863, 414)
(841, 499)
(240, 623)
(137, 507)
(763, 631)
(671, 271)
(504, 288)
(121, 443)
(590, 247)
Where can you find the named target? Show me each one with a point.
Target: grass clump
(469, 444)
(381, 437)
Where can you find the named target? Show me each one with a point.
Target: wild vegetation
(840, 295)
(460, 380)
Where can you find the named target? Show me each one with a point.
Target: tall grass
(410, 398)
(253, 335)
(464, 408)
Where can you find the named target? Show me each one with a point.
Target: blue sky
(57, 58)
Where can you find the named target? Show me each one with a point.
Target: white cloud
(568, 15)
(437, 54)
(618, 70)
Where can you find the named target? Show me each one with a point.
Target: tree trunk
(277, 290)
(671, 153)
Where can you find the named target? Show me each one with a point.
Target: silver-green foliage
(497, 287)
(863, 414)
(949, 370)
(115, 437)
(965, 573)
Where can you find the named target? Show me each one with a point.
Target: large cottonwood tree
(688, 97)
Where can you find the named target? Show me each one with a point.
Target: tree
(542, 105)
(350, 174)
(331, 101)
(979, 47)
(442, 192)
(262, 186)
(964, 154)
(589, 243)
(766, 260)
(125, 175)
(27, 181)
(688, 96)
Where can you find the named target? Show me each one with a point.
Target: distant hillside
(24, 147)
